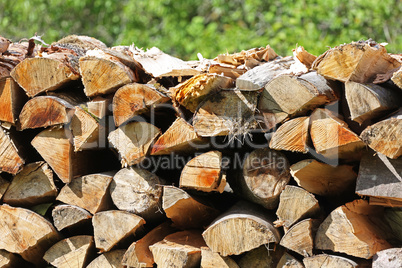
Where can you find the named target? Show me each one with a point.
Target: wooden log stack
(120, 157)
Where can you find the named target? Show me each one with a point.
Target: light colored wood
(90, 192)
(181, 249)
(133, 141)
(10, 159)
(210, 259)
(86, 130)
(100, 106)
(349, 62)
(139, 254)
(103, 73)
(185, 211)
(361, 235)
(226, 70)
(19, 236)
(292, 136)
(180, 137)
(332, 137)
(4, 184)
(304, 57)
(111, 259)
(193, 91)
(65, 216)
(228, 112)
(12, 99)
(264, 256)
(380, 177)
(264, 176)
(74, 251)
(397, 78)
(32, 186)
(109, 230)
(323, 179)
(4, 44)
(295, 204)
(134, 99)
(204, 173)
(138, 191)
(10, 260)
(390, 258)
(259, 54)
(288, 261)
(82, 41)
(385, 136)
(240, 229)
(385, 202)
(370, 101)
(328, 261)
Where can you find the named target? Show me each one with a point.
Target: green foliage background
(184, 28)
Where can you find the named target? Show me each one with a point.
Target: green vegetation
(183, 28)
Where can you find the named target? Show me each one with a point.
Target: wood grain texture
(65, 216)
(111, 259)
(12, 99)
(10, 159)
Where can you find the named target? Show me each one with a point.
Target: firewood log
(134, 99)
(264, 176)
(20, 237)
(110, 259)
(90, 192)
(370, 101)
(328, 261)
(288, 261)
(397, 78)
(138, 191)
(86, 130)
(11, 260)
(358, 222)
(197, 213)
(109, 230)
(33, 185)
(133, 141)
(304, 57)
(4, 44)
(262, 256)
(180, 137)
(385, 202)
(349, 62)
(385, 136)
(259, 54)
(12, 99)
(226, 70)
(15, 53)
(204, 173)
(210, 259)
(380, 177)
(390, 258)
(228, 112)
(332, 138)
(67, 216)
(292, 136)
(74, 251)
(10, 159)
(4, 184)
(242, 228)
(181, 249)
(139, 254)
(323, 179)
(100, 106)
(295, 204)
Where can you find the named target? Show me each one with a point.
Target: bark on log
(12, 99)
(260, 54)
(67, 216)
(10, 158)
(210, 259)
(16, 52)
(390, 258)
(304, 57)
(110, 259)
(109, 230)
(226, 70)
(328, 261)
(4, 44)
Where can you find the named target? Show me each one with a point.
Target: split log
(90, 192)
(109, 230)
(138, 191)
(197, 214)
(86, 130)
(385, 136)
(393, 216)
(259, 54)
(180, 137)
(328, 261)
(110, 259)
(261, 257)
(323, 179)
(181, 249)
(210, 259)
(12, 99)
(288, 261)
(295, 204)
(99, 106)
(133, 141)
(264, 176)
(227, 70)
(67, 216)
(258, 77)
(380, 177)
(385, 202)
(193, 91)
(304, 57)
(139, 254)
(397, 78)
(370, 101)
(300, 237)
(358, 222)
(4, 184)
(135, 99)
(19, 236)
(390, 258)
(204, 173)
(10, 260)
(292, 136)
(33, 185)
(242, 228)
(332, 138)
(349, 62)
(228, 112)
(10, 158)
(74, 251)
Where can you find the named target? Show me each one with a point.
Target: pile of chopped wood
(122, 157)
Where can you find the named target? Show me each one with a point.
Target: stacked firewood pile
(123, 157)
